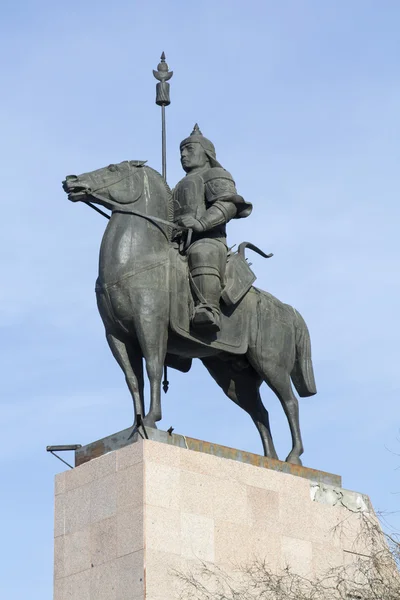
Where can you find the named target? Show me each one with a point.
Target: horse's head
(110, 186)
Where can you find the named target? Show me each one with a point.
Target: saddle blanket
(234, 319)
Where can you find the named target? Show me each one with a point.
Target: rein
(132, 212)
(137, 213)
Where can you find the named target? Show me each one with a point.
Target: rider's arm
(219, 213)
(220, 192)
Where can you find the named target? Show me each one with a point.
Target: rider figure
(205, 200)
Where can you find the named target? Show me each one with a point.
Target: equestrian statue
(169, 290)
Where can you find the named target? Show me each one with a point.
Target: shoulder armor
(217, 173)
(218, 184)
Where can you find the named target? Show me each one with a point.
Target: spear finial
(162, 75)
(162, 99)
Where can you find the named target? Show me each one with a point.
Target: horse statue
(144, 299)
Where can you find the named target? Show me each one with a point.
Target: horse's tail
(303, 373)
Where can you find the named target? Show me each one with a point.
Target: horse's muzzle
(69, 183)
(74, 188)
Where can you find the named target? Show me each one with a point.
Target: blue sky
(301, 99)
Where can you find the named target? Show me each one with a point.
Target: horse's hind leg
(278, 379)
(243, 387)
(129, 358)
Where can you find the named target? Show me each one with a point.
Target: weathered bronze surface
(124, 438)
(162, 272)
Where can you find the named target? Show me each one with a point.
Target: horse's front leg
(154, 367)
(152, 332)
(127, 353)
(129, 359)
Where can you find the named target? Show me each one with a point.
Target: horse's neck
(157, 195)
(155, 199)
(130, 241)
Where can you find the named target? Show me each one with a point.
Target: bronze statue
(159, 294)
(205, 200)
(169, 290)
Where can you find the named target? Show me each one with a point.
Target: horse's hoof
(294, 460)
(149, 423)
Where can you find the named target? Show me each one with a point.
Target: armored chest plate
(189, 196)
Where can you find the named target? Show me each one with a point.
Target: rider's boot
(207, 290)
(207, 260)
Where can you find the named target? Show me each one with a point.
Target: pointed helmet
(197, 137)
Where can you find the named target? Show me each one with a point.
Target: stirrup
(206, 317)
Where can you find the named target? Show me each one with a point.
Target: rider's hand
(191, 223)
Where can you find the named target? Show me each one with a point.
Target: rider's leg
(207, 260)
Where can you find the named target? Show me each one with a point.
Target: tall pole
(162, 99)
(164, 143)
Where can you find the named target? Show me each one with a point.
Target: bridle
(155, 220)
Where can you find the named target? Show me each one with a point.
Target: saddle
(232, 337)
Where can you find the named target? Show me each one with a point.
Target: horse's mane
(168, 190)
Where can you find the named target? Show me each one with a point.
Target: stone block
(59, 515)
(103, 498)
(129, 530)
(103, 541)
(74, 587)
(162, 529)
(205, 464)
(76, 509)
(59, 557)
(58, 589)
(297, 554)
(162, 575)
(130, 576)
(130, 486)
(275, 481)
(127, 522)
(162, 485)
(196, 493)
(263, 508)
(237, 545)
(295, 516)
(104, 581)
(129, 456)
(326, 557)
(197, 537)
(59, 483)
(162, 454)
(77, 552)
(91, 471)
(265, 546)
(355, 532)
(325, 525)
(229, 501)
(231, 542)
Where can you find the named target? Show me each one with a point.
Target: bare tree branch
(373, 576)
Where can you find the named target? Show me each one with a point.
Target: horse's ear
(137, 163)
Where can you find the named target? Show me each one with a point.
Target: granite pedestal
(134, 512)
